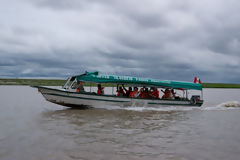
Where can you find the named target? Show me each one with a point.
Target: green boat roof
(102, 78)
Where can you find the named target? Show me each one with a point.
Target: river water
(33, 129)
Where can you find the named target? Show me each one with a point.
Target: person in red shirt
(166, 94)
(155, 93)
(127, 92)
(120, 91)
(134, 93)
(100, 90)
(141, 93)
(145, 93)
(80, 87)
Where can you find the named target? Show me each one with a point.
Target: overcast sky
(164, 39)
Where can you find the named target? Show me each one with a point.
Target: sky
(163, 39)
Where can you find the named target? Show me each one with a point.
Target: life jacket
(127, 93)
(166, 95)
(100, 91)
(155, 94)
(141, 95)
(120, 93)
(132, 94)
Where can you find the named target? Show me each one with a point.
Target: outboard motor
(194, 99)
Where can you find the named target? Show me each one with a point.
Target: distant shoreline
(54, 82)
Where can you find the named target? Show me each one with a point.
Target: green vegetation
(54, 82)
(32, 82)
(41, 82)
(220, 85)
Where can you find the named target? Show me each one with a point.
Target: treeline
(32, 82)
(220, 85)
(58, 82)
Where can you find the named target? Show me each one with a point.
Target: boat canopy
(102, 78)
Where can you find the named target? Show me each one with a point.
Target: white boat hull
(74, 99)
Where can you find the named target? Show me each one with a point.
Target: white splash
(224, 106)
(163, 108)
(232, 104)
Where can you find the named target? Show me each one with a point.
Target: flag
(197, 80)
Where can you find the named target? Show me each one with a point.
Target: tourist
(134, 93)
(166, 94)
(80, 87)
(127, 92)
(154, 93)
(120, 91)
(141, 93)
(145, 93)
(173, 94)
(100, 90)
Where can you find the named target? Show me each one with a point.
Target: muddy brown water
(32, 128)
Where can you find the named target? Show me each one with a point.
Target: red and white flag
(197, 80)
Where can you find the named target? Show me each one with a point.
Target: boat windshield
(70, 83)
(66, 85)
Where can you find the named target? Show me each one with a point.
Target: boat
(69, 96)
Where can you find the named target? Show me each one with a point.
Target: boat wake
(164, 108)
(225, 106)
(232, 104)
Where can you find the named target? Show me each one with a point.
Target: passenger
(173, 94)
(145, 93)
(155, 93)
(166, 94)
(127, 92)
(134, 93)
(137, 92)
(151, 89)
(141, 93)
(80, 87)
(120, 91)
(100, 90)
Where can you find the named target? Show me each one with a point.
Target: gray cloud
(159, 39)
